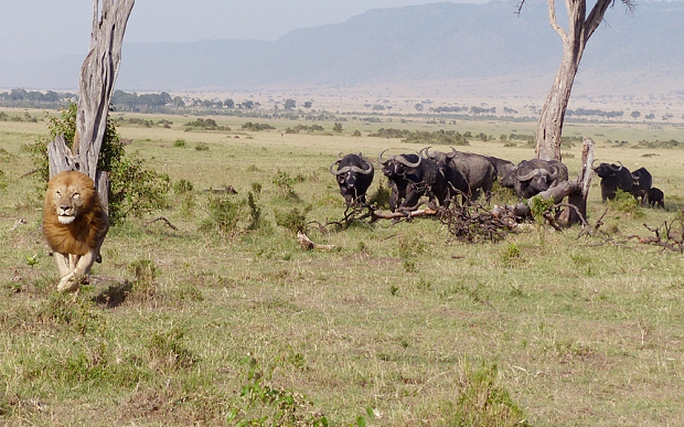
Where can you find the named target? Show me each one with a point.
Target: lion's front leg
(65, 263)
(72, 280)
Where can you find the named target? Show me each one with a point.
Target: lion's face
(70, 192)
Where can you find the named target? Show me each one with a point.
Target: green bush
(284, 182)
(293, 220)
(224, 215)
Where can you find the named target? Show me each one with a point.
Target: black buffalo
(411, 176)
(477, 172)
(613, 177)
(502, 167)
(354, 175)
(531, 177)
(641, 183)
(456, 183)
(655, 197)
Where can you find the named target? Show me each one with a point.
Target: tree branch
(596, 17)
(554, 22)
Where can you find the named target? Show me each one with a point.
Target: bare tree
(580, 27)
(95, 88)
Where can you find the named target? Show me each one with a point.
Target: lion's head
(72, 215)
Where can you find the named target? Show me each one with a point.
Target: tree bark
(574, 40)
(95, 87)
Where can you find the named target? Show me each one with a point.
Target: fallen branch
(161, 218)
(376, 215)
(228, 189)
(24, 175)
(307, 244)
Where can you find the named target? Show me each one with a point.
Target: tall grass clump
(144, 286)
(482, 402)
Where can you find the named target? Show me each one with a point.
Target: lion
(75, 226)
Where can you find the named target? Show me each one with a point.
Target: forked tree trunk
(95, 87)
(580, 28)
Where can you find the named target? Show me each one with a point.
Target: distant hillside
(486, 48)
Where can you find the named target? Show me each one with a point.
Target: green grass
(402, 325)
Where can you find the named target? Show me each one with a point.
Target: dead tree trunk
(578, 199)
(95, 87)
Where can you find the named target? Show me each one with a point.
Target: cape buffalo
(613, 177)
(354, 175)
(456, 183)
(641, 183)
(531, 177)
(410, 177)
(502, 168)
(476, 170)
(655, 197)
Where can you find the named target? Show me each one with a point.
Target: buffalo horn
(614, 169)
(362, 171)
(339, 171)
(526, 177)
(380, 157)
(405, 162)
(553, 171)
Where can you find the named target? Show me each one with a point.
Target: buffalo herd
(638, 183)
(440, 176)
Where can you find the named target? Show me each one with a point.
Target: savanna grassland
(401, 325)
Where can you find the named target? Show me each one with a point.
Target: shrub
(257, 126)
(293, 220)
(284, 182)
(135, 190)
(625, 202)
(224, 215)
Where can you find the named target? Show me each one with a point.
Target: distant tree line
(21, 98)
(582, 112)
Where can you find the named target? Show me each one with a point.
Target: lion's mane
(80, 236)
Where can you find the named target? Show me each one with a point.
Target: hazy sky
(43, 29)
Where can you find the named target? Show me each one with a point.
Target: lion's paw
(69, 283)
